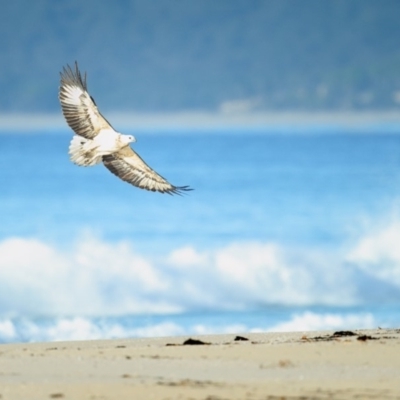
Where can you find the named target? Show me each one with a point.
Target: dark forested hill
(168, 55)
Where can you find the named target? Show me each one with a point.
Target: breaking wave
(94, 277)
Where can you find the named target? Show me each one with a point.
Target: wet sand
(307, 365)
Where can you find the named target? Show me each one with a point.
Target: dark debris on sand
(337, 335)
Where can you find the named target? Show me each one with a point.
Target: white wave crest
(378, 254)
(95, 277)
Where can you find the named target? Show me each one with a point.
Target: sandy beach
(307, 365)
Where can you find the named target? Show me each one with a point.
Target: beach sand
(307, 365)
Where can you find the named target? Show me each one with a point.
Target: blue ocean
(284, 231)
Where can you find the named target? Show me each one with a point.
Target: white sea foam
(310, 321)
(7, 331)
(87, 328)
(84, 328)
(95, 277)
(78, 328)
(92, 278)
(378, 254)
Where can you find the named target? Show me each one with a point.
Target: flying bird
(96, 141)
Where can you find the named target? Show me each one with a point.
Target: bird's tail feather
(81, 153)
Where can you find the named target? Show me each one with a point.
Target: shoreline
(297, 365)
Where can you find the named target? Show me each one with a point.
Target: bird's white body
(88, 152)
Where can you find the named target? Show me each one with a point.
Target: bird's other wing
(78, 107)
(128, 166)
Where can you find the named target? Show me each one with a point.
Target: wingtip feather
(179, 190)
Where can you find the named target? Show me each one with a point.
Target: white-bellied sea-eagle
(96, 140)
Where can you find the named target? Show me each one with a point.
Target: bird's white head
(129, 139)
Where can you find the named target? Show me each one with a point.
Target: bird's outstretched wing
(78, 107)
(127, 165)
